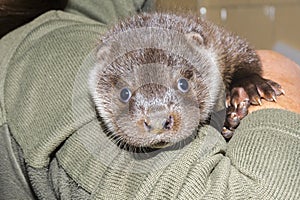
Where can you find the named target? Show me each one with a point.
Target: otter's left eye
(125, 95)
(183, 85)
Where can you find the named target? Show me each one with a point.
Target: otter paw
(244, 92)
(253, 88)
(233, 117)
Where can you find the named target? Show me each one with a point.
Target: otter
(159, 75)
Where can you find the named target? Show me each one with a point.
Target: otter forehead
(154, 95)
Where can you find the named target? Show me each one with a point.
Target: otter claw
(227, 134)
(258, 100)
(274, 98)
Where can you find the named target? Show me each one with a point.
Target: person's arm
(285, 72)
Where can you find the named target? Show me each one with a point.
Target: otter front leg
(243, 92)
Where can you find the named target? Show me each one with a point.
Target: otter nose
(158, 125)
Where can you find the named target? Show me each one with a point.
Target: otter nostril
(168, 123)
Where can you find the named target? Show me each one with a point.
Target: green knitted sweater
(53, 147)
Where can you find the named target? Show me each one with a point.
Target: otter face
(153, 85)
(151, 104)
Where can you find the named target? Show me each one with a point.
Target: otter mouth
(161, 145)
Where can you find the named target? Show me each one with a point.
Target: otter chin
(158, 76)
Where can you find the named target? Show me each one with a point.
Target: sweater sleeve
(265, 150)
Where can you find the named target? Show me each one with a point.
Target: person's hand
(285, 72)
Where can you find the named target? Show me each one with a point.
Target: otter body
(158, 76)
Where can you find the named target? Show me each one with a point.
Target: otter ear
(194, 39)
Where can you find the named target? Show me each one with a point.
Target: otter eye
(125, 95)
(183, 85)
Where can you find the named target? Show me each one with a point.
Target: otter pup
(158, 76)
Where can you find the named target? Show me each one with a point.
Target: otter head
(151, 85)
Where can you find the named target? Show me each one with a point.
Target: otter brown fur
(158, 76)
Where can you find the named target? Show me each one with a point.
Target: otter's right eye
(125, 95)
(183, 85)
